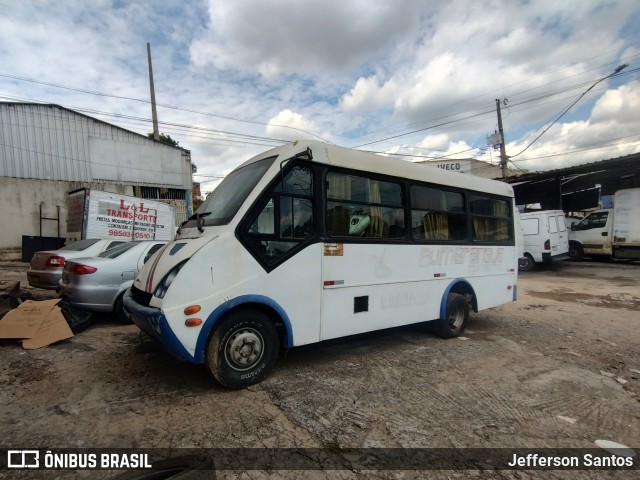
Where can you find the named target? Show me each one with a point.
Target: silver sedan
(46, 266)
(96, 284)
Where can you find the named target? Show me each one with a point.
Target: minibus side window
(286, 218)
(490, 219)
(437, 215)
(364, 207)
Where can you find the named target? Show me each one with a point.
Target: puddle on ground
(623, 301)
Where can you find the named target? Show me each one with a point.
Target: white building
(470, 165)
(47, 151)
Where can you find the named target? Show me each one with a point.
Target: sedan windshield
(223, 203)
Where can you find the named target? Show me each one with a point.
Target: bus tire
(242, 349)
(118, 309)
(456, 317)
(526, 263)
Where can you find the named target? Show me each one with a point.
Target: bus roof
(387, 165)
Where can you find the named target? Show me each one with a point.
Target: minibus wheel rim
(456, 319)
(244, 349)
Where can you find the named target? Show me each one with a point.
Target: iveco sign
(462, 166)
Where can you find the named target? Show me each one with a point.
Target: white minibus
(309, 242)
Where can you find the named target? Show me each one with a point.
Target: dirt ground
(558, 368)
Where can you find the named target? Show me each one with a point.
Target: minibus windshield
(225, 201)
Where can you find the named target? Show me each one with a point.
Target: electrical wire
(246, 138)
(617, 71)
(101, 94)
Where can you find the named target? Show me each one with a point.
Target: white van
(309, 242)
(545, 238)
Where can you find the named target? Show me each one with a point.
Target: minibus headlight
(163, 286)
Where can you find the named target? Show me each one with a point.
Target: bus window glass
(490, 218)
(296, 217)
(363, 207)
(437, 214)
(264, 223)
(286, 219)
(225, 201)
(298, 181)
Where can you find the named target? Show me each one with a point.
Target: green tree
(166, 139)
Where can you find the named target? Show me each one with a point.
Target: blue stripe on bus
(230, 304)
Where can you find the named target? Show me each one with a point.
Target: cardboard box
(36, 324)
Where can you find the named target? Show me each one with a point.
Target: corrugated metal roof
(47, 141)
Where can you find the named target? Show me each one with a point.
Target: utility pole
(503, 151)
(154, 113)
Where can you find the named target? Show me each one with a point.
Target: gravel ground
(558, 368)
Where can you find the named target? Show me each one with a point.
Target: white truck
(611, 232)
(105, 215)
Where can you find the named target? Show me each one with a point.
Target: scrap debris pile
(37, 323)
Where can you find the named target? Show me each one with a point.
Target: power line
(121, 97)
(616, 71)
(255, 140)
(598, 146)
(267, 141)
(481, 113)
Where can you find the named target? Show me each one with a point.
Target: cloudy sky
(415, 78)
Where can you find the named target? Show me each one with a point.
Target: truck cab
(592, 235)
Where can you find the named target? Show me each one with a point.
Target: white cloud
(368, 94)
(292, 126)
(610, 131)
(423, 74)
(284, 37)
(621, 105)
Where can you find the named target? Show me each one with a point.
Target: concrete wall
(20, 201)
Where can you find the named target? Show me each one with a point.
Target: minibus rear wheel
(526, 263)
(456, 317)
(242, 348)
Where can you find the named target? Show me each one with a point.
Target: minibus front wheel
(242, 348)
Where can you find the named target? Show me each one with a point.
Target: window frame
(443, 188)
(509, 218)
(269, 193)
(400, 182)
